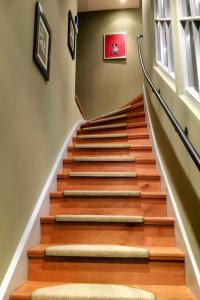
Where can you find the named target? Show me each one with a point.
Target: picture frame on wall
(71, 35)
(42, 42)
(115, 45)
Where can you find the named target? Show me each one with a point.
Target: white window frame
(163, 36)
(191, 74)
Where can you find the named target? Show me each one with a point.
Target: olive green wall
(183, 175)
(35, 116)
(106, 85)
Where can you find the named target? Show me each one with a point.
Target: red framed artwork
(115, 45)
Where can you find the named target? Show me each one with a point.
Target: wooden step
(127, 181)
(133, 116)
(142, 151)
(162, 261)
(162, 292)
(114, 126)
(91, 292)
(108, 136)
(111, 163)
(105, 175)
(96, 251)
(105, 120)
(130, 130)
(101, 136)
(104, 146)
(132, 142)
(148, 204)
(127, 109)
(98, 229)
(115, 137)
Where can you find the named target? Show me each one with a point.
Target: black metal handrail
(182, 134)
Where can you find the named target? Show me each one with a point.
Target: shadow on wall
(186, 198)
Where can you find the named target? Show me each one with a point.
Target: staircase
(107, 225)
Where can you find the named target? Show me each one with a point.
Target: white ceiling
(93, 5)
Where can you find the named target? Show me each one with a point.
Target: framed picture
(42, 42)
(115, 45)
(71, 35)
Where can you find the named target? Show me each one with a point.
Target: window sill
(171, 75)
(193, 94)
(166, 76)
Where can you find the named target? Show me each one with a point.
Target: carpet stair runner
(108, 235)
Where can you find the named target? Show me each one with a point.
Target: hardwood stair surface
(109, 203)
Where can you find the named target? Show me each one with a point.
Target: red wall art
(115, 45)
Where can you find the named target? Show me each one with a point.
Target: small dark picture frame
(71, 35)
(42, 42)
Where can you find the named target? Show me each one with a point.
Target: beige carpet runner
(91, 292)
(100, 218)
(104, 158)
(104, 174)
(103, 136)
(90, 193)
(100, 251)
(122, 125)
(102, 146)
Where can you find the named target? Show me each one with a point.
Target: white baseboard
(192, 273)
(17, 270)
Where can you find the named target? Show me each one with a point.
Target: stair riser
(137, 130)
(113, 206)
(108, 166)
(113, 141)
(110, 152)
(102, 233)
(108, 184)
(116, 271)
(127, 120)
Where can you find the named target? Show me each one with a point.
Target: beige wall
(105, 85)
(184, 176)
(35, 116)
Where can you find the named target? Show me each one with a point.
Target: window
(190, 27)
(163, 32)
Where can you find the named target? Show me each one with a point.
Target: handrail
(182, 134)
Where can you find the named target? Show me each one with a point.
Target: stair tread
(109, 218)
(173, 292)
(150, 195)
(162, 292)
(114, 118)
(110, 146)
(109, 159)
(119, 125)
(118, 117)
(114, 126)
(156, 253)
(98, 251)
(114, 112)
(96, 174)
(102, 136)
